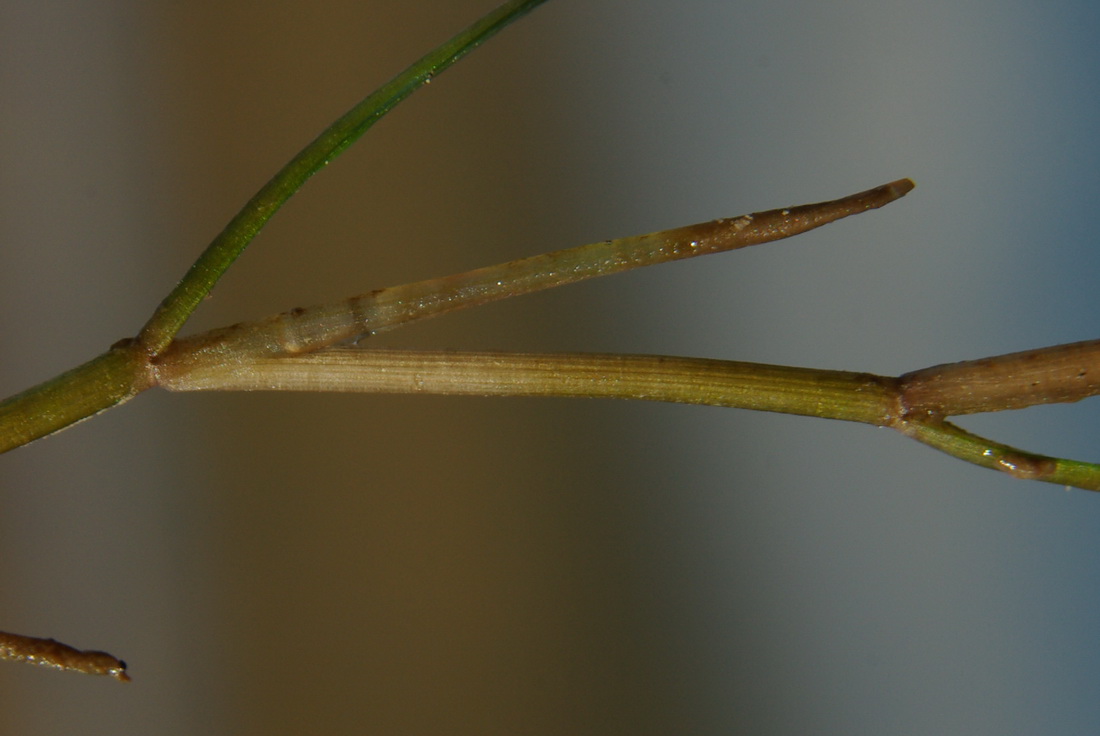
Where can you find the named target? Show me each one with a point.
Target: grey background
(288, 564)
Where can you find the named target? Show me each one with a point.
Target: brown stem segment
(58, 656)
(1054, 375)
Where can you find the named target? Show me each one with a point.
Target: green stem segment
(857, 397)
(177, 307)
(959, 443)
(844, 395)
(103, 382)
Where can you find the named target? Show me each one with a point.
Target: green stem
(177, 307)
(957, 442)
(103, 382)
(845, 395)
(828, 394)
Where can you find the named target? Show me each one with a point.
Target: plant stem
(58, 656)
(313, 328)
(964, 445)
(130, 368)
(103, 382)
(857, 397)
(843, 395)
(1059, 374)
(177, 307)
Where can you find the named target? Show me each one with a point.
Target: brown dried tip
(882, 195)
(900, 188)
(58, 656)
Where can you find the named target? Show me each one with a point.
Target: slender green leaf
(177, 307)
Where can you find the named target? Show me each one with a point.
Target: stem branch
(964, 445)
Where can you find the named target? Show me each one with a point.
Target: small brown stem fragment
(58, 656)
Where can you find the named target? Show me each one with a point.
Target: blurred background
(333, 564)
